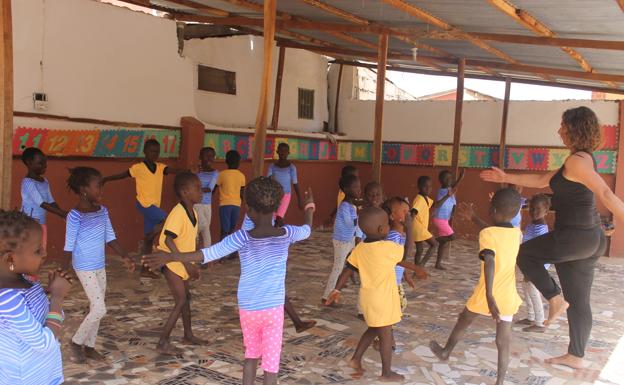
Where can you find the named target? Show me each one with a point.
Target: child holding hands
(261, 290)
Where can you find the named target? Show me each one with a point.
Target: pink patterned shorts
(262, 335)
(443, 227)
(283, 207)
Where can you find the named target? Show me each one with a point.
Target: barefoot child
(37, 199)
(443, 215)
(30, 323)
(263, 255)
(208, 178)
(346, 170)
(148, 175)
(345, 229)
(178, 236)
(88, 231)
(373, 195)
(285, 173)
(421, 207)
(231, 185)
(495, 294)
(375, 259)
(538, 209)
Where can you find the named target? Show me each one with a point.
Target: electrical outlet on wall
(40, 100)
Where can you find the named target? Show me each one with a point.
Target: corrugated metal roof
(596, 19)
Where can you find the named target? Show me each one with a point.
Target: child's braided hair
(14, 226)
(80, 177)
(264, 194)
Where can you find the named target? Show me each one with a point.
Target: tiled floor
(137, 307)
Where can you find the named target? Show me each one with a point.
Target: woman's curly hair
(264, 194)
(14, 226)
(583, 129)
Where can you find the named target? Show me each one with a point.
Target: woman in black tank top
(577, 240)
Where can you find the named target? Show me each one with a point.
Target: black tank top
(573, 203)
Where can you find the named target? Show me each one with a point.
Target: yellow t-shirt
(421, 222)
(341, 197)
(230, 183)
(505, 243)
(179, 223)
(148, 184)
(379, 296)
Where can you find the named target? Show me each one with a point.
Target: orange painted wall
(322, 176)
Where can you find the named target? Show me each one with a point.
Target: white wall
(244, 56)
(529, 122)
(100, 62)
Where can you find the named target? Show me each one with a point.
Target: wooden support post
(459, 105)
(278, 88)
(338, 86)
(382, 58)
(6, 98)
(617, 239)
(261, 117)
(503, 134)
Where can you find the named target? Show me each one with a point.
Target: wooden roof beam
(201, 7)
(471, 62)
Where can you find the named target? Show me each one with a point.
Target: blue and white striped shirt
(399, 238)
(446, 210)
(263, 265)
(345, 226)
(34, 193)
(86, 237)
(286, 176)
(533, 231)
(29, 351)
(208, 179)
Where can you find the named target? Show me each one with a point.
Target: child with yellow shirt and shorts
(231, 184)
(420, 209)
(495, 294)
(375, 259)
(179, 235)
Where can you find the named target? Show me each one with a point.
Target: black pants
(574, 252)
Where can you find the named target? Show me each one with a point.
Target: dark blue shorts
(229, 217)
(152, 216)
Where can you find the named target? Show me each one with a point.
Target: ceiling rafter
(362, 21)
(201, 7)
(531, 23)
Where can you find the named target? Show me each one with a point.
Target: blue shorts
(152, 216)
(229, 217)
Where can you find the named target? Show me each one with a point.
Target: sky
(420, 85)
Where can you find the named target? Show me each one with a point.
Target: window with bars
(306, 104)
(216, 80)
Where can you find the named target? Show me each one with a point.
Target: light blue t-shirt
(517, 220)
(29, 352)
(208, 180)
(34, 193)
(399, 238)
(86, 237)
(263, 265)
(533, 231)
(446, 209)
(345, 226)
(286, 176)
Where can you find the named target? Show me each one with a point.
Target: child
(421, 207)
(36, 196)
(89, 230)
(495, 293)
(375, 259)
(285, 173)
(263, 254)
(373, 195)
(538, 209)
(346, 170)
(442, 216)
(178, 236)
(345, 230)
(231, 184)
(30, 324)
(208, 178)
(148, 175)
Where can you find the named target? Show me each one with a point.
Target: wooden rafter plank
(435, 21)
(380, 96)
(550, 41)
(201, 7)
